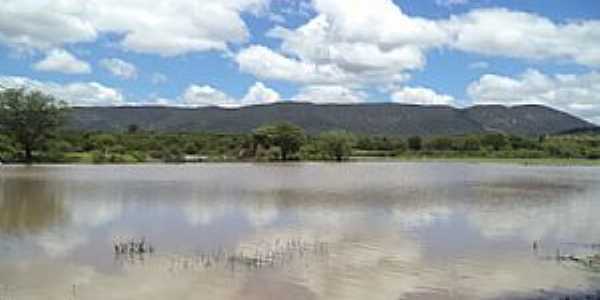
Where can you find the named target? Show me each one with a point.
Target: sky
(232, 53)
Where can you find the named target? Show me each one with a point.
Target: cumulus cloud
(205, 95)
(196, 95)
(330, 94)
(77, 94)
(502, 32)
(376, 43)
(575, 93)
(167, 27)
(421, 95)
(260, 94)
(266, 63)
(44, 24)
(366, 42)
(59, 60)
(119, 68)
(369, 35)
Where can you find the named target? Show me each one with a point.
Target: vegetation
(31, 130)
(336, 145)
(29, 118)
(269, 143)
(288, 137)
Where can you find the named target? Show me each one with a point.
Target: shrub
(415, 143)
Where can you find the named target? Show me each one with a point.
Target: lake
(298, 231)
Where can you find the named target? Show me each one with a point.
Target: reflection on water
(20, 216)
(296, 231)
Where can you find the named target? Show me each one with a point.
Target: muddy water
(297, 231)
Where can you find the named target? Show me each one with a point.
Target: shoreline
(561, 162)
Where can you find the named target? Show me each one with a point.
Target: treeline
(285, 142)
(492, 145)
(273, 142)
(31, 130)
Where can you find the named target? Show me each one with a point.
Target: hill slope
(377, 118)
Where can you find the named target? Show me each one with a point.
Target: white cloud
(260, 94)
(503, 32)
(376, 43)
(206, 95)
(421, 95)
(167, 27)
(363, 43)
(378, 21)
(266, 63)
(369, 35)
(159, 78)
(44, 24)
(59, 60)
(329, 94)
(577, 94)
(119, 68)
(78, 93)
(317, 42)
(96, 94)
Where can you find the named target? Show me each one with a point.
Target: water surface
(297, 231)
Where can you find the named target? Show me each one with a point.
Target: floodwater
(298, 231)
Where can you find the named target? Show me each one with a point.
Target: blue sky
(244, 52)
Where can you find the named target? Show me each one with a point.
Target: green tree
(288, 137)
(440, 144)
(7, 149)
(517, 142)
(496, 141)
(337, 144)
(30, 118)
(415, 143)
(471, 143)
(104, 142)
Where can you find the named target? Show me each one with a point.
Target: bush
(98, 157)
(471, 144)
(440, 144)
(415, 143)
(138, 156)
(594, 154)
(190, 148)
(495, 141)
(311, 151)
(336, 145)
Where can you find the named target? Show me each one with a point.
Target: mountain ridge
(365, 118)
